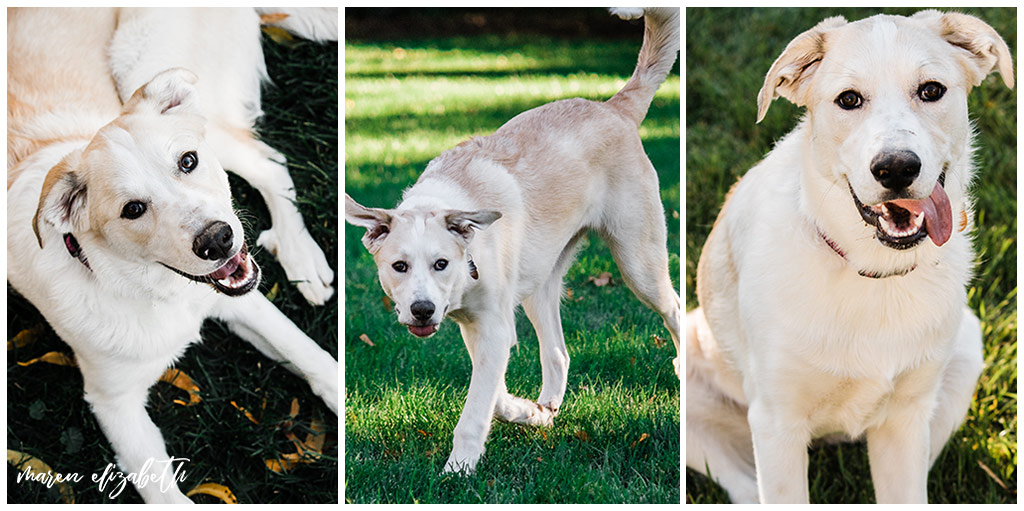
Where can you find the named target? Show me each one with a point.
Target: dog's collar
(864, 273)
(75, 249)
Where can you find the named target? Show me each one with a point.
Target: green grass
(47, 418)
(728, 53)
(616, 438)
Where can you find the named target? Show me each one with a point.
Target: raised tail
(657, 55)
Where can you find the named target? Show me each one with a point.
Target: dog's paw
(303, 262)
(459, 466)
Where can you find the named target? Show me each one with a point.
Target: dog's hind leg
(958, 383)
(636, 235)
(265, 169)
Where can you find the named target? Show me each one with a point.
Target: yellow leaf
(26, 337)
(273, 292)
(295, 408)
(643, 437)
(214, 490)
(246, 412)
(53, 357)
(285, 463)
(179, 379)
(280, 36)
(22, 461)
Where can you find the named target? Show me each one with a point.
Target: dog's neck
(864, 273)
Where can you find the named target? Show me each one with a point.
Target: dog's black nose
(422, 310)
(896, 170)
(214, 242)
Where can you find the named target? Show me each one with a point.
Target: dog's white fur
(494, 223)
(792, 342)
(96, 119)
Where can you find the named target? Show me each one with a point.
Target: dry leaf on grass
(366, 338)
(26, 337)
(54, 357)
(582, 436)
(643, 437)
(179, 379)
(214, 490)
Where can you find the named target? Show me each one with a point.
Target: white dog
(119, 219)
(492, 223)
(832, 286)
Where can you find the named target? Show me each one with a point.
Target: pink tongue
(422, 331)
(938, 217)
(228, 268)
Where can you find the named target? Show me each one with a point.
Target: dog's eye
(849, 100)
(188, 161)
(931, 91)
(440, 264)
(133, 210)
(400, 266)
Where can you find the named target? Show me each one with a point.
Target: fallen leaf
(179, 379)
(214, 490)
(602, 280)
(637, 442)
(273, 292)
(280, 36)
(424, 433)
(659, 341)
(21, 461)
(246, 412)
(295, 408)
(26, 337)
(582, 436)
(366, 338)
(53, 357)
(543, 434)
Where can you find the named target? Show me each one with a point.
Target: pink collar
(863, 273)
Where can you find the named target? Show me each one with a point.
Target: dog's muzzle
(903, 223)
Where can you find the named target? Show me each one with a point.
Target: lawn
(47, 418)
(728, 53)
(616, 439)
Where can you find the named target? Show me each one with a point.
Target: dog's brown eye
(400, 266)
(188, 161)
(440, 264)
(133, 210)
(931, 91)
(849, 100)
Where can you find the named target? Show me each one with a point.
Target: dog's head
(422, 256)
(886, 101)
(148, 190)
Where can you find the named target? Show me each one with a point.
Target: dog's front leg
(899, 447)
(488, 344)
(117, 395)
(253, 318)
(780, 455)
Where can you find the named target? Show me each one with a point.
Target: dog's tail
(657, 55)
(313, 23)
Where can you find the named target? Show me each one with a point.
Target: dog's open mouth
(237, 276)
(902, 224)
(422, 330)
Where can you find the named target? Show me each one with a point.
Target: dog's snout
(214, 242)
(896, 170)
(422, 310)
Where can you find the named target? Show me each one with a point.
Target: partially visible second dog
(120, 225)
(832, 286)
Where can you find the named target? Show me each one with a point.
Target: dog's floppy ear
(170, 91)
(464, 223)
(377, 223)
(790, 75)
(984, 49)
(62, 202)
